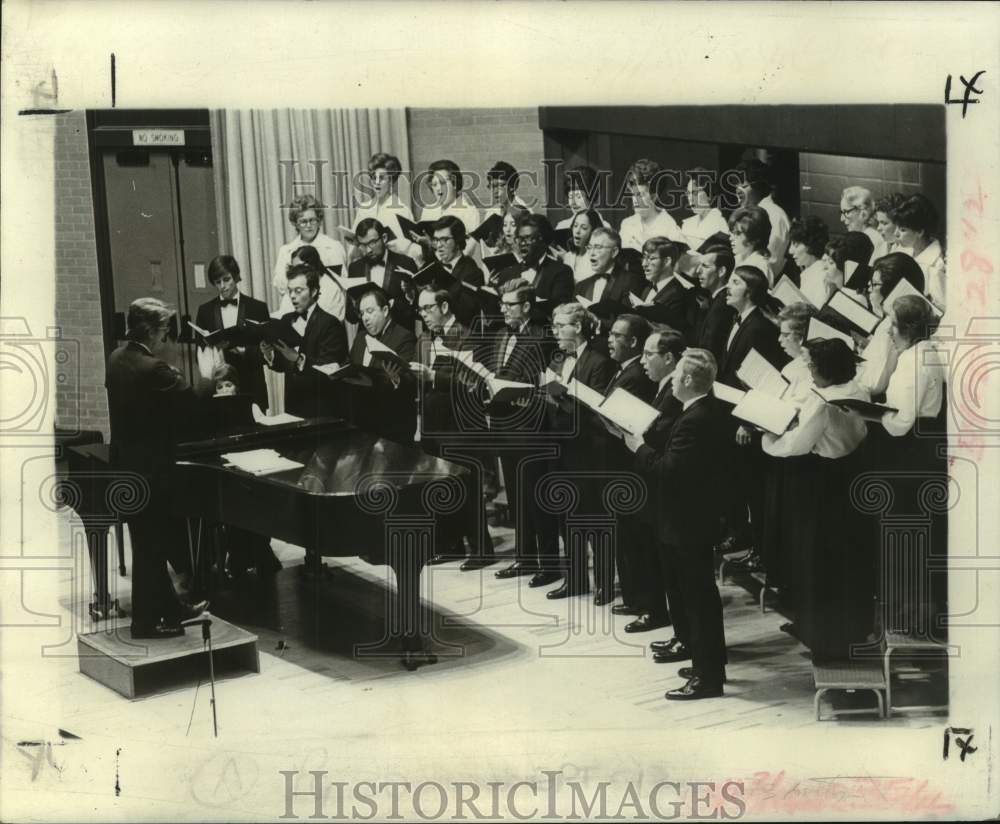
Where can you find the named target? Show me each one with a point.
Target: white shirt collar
(580, 348)
(688, 403)
(449, 324)
(663, 381)
(631, 360)
(746, 312)
(715, 294)
(148, 350)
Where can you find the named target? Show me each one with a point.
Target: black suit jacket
(250, 364)
(620, 283)
(465, 303)
(594, 369)
(553, 283)
(675, 305)
(687, 474)
(670, 408)
(633, 379)
(151, 407)
(756, 332)
(441, 399)
(386, 409)
(398, 269)
(307, 393)
(531, 353)
(714, 323)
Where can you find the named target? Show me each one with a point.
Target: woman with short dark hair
(916, 222)
(807, 241)
(879, 352)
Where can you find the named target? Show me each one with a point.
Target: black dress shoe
(189, 611)
(516, 569)
(680, 653)
(543, 579)
(691, 672)
(665, 646)
(565, 591)
(603, 596)
(694, 689)
(624, 609)
(160, 630)
(478, 562)
(646, 622)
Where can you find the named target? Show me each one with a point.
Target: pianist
(148, 402)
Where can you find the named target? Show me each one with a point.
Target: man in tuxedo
(685, 475)
(448, 240)
(645, 597)
(384, 268)
(233, 308)
(751, 329)
(715, 316)
(609, 287)
(625, 345)
(671, 295)
(578, 360)
(449, 413)
(149, 403)
(520, 351)
(324, 341)
(551, 279)
(390, 406)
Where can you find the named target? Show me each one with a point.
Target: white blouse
(387, 213)
(460, 208)
(699, 228)
(880, 359)
(762, 263)
(916, 387)
(931, 261)
(800, 381)
(331, 253)
(635, 232)
(580, 264)
(823, 429)
(812, 283)
(781, 226)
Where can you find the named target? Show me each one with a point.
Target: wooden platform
(136, 668)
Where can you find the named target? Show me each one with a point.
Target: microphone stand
(205, 620)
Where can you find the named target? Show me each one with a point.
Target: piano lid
(336, 460)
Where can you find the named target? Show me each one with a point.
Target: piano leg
(120, 543)
(410, 614)
(102, 607)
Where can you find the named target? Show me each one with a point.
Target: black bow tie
(228, 301)
(303, 315)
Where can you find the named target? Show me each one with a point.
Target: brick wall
(823, 177)
(78, 299)
(476, 139)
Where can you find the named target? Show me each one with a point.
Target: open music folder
(866, 409)
(818, 329)
(757, 408)
(758, 373)
(844, 313)
(787, 292)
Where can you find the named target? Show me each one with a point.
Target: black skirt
(831, 556)
(782, 528)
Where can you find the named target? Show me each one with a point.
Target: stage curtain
(263, 158)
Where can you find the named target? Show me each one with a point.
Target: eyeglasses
(307, 221)
(873, 285)
(846, 212)
(526, 240)
(441, 241)
(370, 244)
(427, 308)
(297, 290)
(651, 257)
(509, 304)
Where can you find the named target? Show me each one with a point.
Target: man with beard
(551, 279)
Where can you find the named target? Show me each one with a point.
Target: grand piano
(355, 495)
